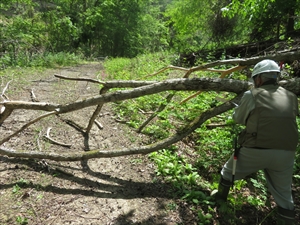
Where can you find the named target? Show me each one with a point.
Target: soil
(113, 191)
(121, 190)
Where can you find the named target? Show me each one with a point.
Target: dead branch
(188, 72)
(3, 91)
(159, 109)
(180, 84)
(280, 56)
(26, 125)
(240, 63)
(79, 79)
(72, 124)
(47, 137)
(33, 97)
(111, 84)
(99, 125)
(4, 98)
(166, 68)
(180, 134)
(96, 113)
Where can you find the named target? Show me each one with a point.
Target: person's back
(269, 140)
(272, 123)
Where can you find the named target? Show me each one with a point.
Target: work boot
(285, 216)
(223, 190)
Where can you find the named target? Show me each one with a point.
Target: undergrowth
(194, 175)
(42, 60)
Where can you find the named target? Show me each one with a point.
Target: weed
(204, 218)
(23, 182)
(172, 206)
(21, 220)
(16, 188)
(136, 161)
(39, 196)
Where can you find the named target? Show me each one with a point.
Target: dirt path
(121, 190)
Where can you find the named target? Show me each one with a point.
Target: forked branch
(180, 134)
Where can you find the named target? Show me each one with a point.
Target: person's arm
(242, 112)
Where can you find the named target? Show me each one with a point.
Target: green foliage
(93, 28)
(206, 27)
(20, 184)
(118, 68)
(214, 146)
(176, 170)
(21, 220)
(96, 29)
(187, 32)
(259, 187)
(16, 189)
(48, 60)
(266, 19)
(137, 67)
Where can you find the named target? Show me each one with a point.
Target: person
(269, 140)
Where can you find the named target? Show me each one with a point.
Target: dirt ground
(108, 191)
(121, 190)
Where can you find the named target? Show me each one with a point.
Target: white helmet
(266, 66)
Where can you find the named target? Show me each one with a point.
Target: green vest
(272, 124)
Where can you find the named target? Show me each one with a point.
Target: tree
(96, 28)
(196, 25)
(266, 19)
(138, 88)
(187, 24)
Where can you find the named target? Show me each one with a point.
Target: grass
(46, 60)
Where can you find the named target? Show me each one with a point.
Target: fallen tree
(137, 89)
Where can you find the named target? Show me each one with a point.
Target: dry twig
(51, 140)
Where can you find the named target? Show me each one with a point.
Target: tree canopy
(100, 28)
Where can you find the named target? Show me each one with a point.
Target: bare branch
(26, 125)
(33, 97)
(4, 89)
(180, 84)
(47, 137)
(180, 134)
(140, 88)
(167, 68)
(159, 109)
(99, 125)
(79, 79)
(111, 84)
(96, 113)
(280, 56)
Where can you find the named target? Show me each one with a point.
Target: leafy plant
(16, 189)
(21, 220)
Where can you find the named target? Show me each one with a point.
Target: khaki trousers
(277, 166)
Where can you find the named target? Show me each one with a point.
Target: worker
(269, 140)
